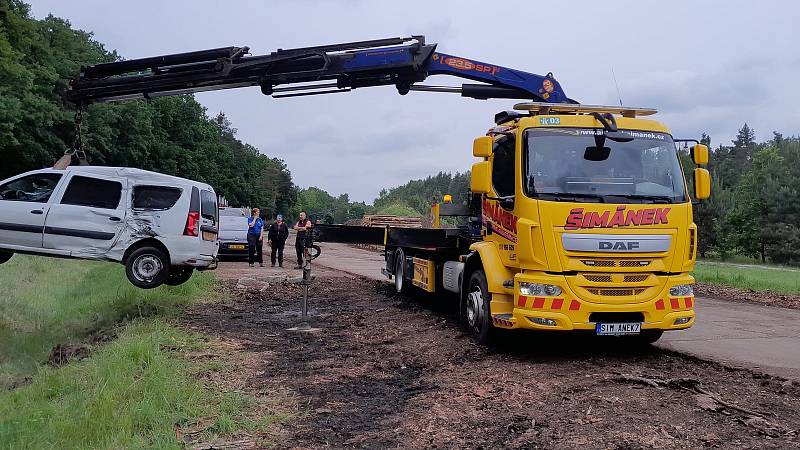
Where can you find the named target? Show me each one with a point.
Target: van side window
(208, 205)
(92, 192)
(158, 198)
(503, 166)
(32, 188)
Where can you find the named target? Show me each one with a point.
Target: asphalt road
(763, 338)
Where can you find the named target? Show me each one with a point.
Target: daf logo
(618, 245)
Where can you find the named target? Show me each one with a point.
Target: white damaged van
(160, 227)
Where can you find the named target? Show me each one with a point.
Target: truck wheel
(475, 308)
(5, 256)
(179, 275)
(400, 272)
(147, 267)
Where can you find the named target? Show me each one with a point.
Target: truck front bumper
(568, 311)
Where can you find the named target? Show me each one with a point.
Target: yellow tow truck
(581, 220)
(579, 216)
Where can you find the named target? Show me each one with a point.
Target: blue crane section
(401, 62)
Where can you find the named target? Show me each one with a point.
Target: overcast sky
(706, 66)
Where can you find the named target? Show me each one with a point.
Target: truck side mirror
(702, 184)
(482, 147)
(481, 179)
(699, 154)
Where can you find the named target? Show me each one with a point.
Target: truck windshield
(575, 164)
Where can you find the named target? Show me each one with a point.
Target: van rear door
(209, 215)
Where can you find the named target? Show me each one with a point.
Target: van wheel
(400, 272)
(5, 256)
(147, 267)
(475, 309)
(179, 275)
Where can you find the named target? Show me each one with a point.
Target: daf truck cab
(585, 224)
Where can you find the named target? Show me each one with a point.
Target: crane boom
(402, 62)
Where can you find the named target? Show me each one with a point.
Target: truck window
(208, 205)
(32, 188)
(503, 166)
(155, 198)
(92, 192)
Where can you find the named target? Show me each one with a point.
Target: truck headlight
(538, 290)
(681, 290)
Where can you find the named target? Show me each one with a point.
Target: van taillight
(192, 222)
(192, 227)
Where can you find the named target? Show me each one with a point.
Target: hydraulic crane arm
(401, 62)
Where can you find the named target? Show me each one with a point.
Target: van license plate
(236, 247)
(616, 329)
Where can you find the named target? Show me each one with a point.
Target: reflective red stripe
(574, 305)
(688, 302)
(674, 303)
(660, 304)
(557, 303)
(538, 302)
(521, 301)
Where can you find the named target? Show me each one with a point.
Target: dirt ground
(389, 371)
(748, 295)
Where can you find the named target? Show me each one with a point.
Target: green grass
(46, 301)
(759, 278)
(132, 392)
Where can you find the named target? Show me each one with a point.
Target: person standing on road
(276, 238)
(303, 227)
(255, 238)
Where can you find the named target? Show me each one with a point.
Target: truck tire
(147, 267)
(400, 284)
(476, 309)
(5, 256)
(179, 275)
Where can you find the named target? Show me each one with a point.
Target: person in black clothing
(303, 227)
(276, 237)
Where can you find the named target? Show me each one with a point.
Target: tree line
(172, 135)
(754, 210)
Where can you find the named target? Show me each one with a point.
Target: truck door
(24, 202)
(504, 221)
(89, 216)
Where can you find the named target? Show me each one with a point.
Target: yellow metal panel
(424, 274)
(435, 214)
(496, 272)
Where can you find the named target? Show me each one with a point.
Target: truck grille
(616, 292)
(635, 278)
(616, 263)
(608, 278)
(597, 278)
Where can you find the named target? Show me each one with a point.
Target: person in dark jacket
(255, 238)
(276, 237)
(303, 227)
